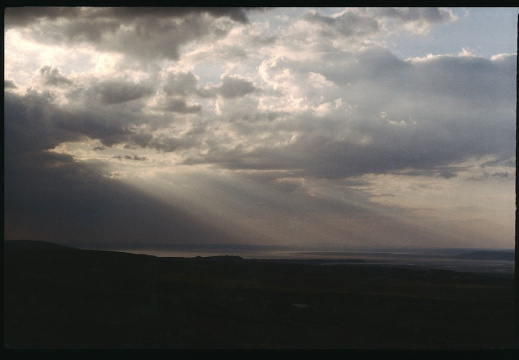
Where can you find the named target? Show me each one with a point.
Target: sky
(330, 128)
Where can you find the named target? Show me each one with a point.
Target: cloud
(500, 161)
(61, 199)
(178, 105)
(380, 21)
(377, 114)
(142, 158)
(283, 114)
(128, 157)
(414, 19)
(317, 31)
(147, 34)
(9, 84)
(16, 16)
(53, 77)
(233, 86)
(180, 83)
(31, 123)
(36, 121)
(346, 24)
(22, 16)
(500, 174)
(183, 84)
(141, 138)
(169, 144)
(116, 92)
(111, 111)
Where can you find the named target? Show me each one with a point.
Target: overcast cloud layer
(266, 126)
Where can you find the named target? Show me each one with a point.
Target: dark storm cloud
(180, 83)
(31, 123)
(8, 84)
(233, 87)
(142, 139)
(117, 91)
(178, 106)
(147, 34)
(60, 199)
(94, 125)
(40, 124)
(103, 110)
(237, 14)
(21, 16)
(83, 31)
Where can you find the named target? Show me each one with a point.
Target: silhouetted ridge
(91, 299)
(35, 245)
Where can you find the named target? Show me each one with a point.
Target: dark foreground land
(58, 297)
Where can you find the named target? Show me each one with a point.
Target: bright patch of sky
(479, 31)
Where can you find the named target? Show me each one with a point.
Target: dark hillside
(101, 299)
(34, 245)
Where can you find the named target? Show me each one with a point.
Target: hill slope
(34, 245)
(101, 299)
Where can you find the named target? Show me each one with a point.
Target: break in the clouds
(278, 126)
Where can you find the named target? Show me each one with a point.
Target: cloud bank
(283, 103)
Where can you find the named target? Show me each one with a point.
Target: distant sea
(463, 260)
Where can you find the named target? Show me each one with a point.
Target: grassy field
(66, 298)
